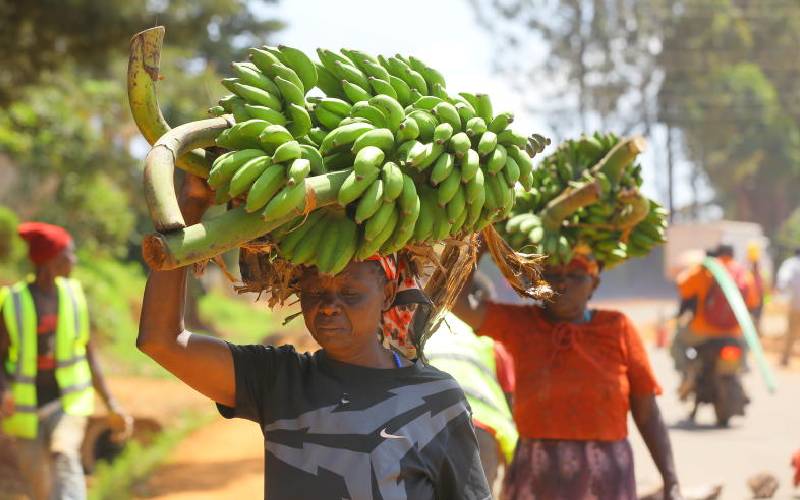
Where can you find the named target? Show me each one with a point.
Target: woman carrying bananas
(579, 371)
(355, 419)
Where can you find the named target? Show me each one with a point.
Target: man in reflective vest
(486, 374)
(49, 369)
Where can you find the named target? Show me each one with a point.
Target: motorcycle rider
(713, 324)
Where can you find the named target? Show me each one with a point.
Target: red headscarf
(45, 241)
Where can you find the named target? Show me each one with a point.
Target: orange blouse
(573, 380)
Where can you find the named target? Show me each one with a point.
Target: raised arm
(202, 362)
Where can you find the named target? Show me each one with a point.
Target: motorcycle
(713, 376)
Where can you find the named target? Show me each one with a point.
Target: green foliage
(240, 321)
(10, 244)
(39, 37)
(117, 480)
(114, 292)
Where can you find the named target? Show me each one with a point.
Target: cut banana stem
(567, 203)
(159, 168)
(619, 157)
(143, 66)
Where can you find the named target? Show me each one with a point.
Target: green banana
(265, 187)
(459, 144)
(447, 113)
(457, 204)
(265, 113)
(497, 159)
(250, 75)
(381, 138)
(353, 187)
(282, 71)
(316, 163)
(508, 137)
(247, 174)
(391, 108)
(501, 122)
(393, 183)
(291, 242)
(346, 245)
(407, 130)
(298, 171)
(370, 247)
(483, 107)
(301, 64)
(476, 127)
(225, 166)
(354, 92)
(442, 168)
(343, 136)
(487, 143)
(511, 171)
(290, 92)
(243, 135)
(449, 187)
(327, 118)
(273, 136)
(408, 199)
(380, 86)
(289, 199)
(305, 247)
(373, 114)
(351, 74)
(470, 164)
(368, 159)
(402, 90)
(287, 151)
(442, 133)
(328, 82)
(426, 123)
(300, 120)
(334, 105)
(255, 95)
(425, 156)
(380, 216)
(475, 186)
(370, 201)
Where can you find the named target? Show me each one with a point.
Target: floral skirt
(551, 469)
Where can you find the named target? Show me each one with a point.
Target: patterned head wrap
(396, 324)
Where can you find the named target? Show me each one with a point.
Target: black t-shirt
(340, 431)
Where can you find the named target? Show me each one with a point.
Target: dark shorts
(548, 469)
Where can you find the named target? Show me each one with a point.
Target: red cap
(45, 241)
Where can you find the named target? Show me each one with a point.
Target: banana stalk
(572, 200)
(640, 207)
(143, 65)
(159, 169)
(567, 203)
(233, 228)
(619, 157)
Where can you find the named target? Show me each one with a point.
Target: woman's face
(343, 312)
(573, 288)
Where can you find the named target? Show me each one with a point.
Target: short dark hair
(725, 250)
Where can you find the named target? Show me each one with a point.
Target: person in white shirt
(789, 284)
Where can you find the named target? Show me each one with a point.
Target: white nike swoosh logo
(386, 435)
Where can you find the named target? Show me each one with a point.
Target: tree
(726, 64)
(39, 37)
(68, 146)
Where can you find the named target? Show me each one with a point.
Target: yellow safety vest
(72, 372)
(469, 358)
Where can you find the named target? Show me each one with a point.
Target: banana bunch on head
(423, 165)
(585, 196)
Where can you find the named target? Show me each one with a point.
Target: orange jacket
(697, 282)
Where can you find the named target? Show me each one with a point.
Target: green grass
(116, 480)
(245, 322)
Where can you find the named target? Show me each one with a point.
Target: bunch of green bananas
(424, 165)
(615, 221)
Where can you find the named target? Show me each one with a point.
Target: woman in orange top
(578, 373)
